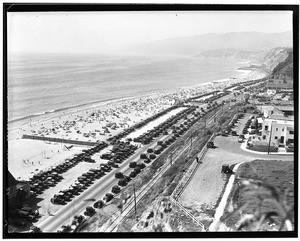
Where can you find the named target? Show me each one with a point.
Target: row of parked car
(42, 181)
(247, 125)
(120, 152)
(147, 137)
(117, 155)
(81, 184)
(139, 125)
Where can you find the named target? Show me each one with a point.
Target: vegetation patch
(278, 175)
(263, 148)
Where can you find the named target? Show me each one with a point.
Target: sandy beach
(93, 123)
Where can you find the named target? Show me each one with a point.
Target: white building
(279, 128)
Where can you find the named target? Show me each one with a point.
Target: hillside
(195, 45)
(231, 53)
(273, 60)
(286, 66)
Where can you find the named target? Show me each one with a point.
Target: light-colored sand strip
(154, 123)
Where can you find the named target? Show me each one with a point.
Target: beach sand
(94, 123)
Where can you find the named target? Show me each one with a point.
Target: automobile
(122, 182)
(35, 229)
(108, 197)
(241, 138)
(132, 164)
(116, 189)
(141, 165)
(150, 150)
(119, 175)
(147, 160)
(98, 204)
(210, 144)
(226, 169)
(90, 211)
(233, 133)
(115, 165)
(152, 156)
(137, 170)
(133, 174)
(65, 229)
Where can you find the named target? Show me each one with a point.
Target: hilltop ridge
(197, 45)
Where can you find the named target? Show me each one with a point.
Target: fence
(195, 220)
(60, 140)
(191, 172)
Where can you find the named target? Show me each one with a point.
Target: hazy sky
(93, 32)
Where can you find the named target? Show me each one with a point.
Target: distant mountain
(195, 45)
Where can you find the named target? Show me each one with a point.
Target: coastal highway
(96, 191)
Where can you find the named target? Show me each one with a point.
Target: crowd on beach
(101, 122)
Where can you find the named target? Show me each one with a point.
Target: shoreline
(16, 124)
(93, 122)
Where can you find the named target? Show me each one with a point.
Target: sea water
(41, 84)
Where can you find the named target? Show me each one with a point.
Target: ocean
(39, 84)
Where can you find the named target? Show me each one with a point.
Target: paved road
(95, 192)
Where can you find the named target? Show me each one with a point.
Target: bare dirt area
(207, 184)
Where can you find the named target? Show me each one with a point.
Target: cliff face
(286, 66)
(273, 57)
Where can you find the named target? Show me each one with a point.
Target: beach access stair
(60, 140)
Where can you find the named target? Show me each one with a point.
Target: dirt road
(208, 182)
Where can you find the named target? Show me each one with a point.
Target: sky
(100, 32)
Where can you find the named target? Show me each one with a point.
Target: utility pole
(171, 159)
(191, 143)
(270, 138)
(134, 198)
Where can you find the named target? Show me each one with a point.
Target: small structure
(17, 191)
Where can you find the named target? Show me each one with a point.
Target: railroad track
(116, 219)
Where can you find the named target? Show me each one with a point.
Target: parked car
(98, 204)
(241, 138)
(90, 211)
(210, 144)
(116, 189)
(226, 169)
(133, 174)
(119, 175)
(233, 133)
(108, 197)
(35, 229)
(132, 164)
